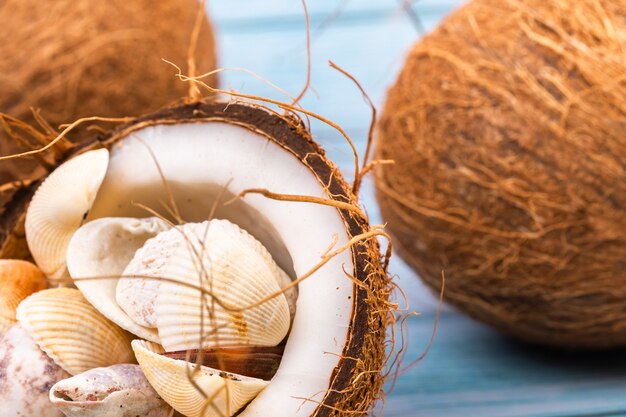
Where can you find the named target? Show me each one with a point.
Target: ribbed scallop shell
(116, 391)
(227, 393)
(59, 207)
(137, 296)
(72, 332)
(233, 270)
(18, 280)
(103, 248)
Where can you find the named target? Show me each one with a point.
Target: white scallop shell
(103, 248)
(137, 296)
(59, 206)
(27, 374)
(117, 391)
(227, 393)
(224, 261)
(281, 276)
(18, 280)
(72, 332)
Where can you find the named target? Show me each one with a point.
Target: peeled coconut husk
(507, 125)
(79, 58)
(335, 354)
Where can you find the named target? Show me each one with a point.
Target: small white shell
(72, 332)
(137, 296)
(26, 375)
(170, 378)
(59, 206)
(103, 248)
(18, 280)
(224, 260)
(116, 391)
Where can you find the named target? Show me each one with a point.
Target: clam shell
(59, 206)
(26, 374)
(18, 280)
(116, 391)
(281, 276)
(224, 260)
(103, 248)
(72, 332)
(137, 296)
(226, 393)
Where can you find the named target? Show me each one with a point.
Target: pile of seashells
(201, 307)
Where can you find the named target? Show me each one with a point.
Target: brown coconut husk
(356, 383)
(78, 58)
(507, 130)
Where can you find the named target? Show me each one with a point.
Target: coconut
(506, 125)
(204, 160)
(78, 58)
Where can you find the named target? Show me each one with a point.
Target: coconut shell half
(507, 126)
(342, 311)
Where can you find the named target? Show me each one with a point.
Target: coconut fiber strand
(507, 126)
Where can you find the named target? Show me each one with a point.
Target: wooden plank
(242, 14)
(473, 371)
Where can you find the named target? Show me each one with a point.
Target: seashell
(117, 391)
(103, 248)
(72, 332)
(26, 375)
(224, 260)
(137, 296)
(227, 392)
(59, 206)
(281, 276)
(18, 280)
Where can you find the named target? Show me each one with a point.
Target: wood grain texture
(471, 370)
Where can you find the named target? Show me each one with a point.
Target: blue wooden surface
(471, 370)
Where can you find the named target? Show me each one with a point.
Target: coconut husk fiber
(507, 126)
(80, 58)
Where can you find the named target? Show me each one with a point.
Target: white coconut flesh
(199, 160)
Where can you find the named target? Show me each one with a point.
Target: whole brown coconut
(78, 58)
(507, 127)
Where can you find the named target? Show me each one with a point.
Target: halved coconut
(211, 150)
